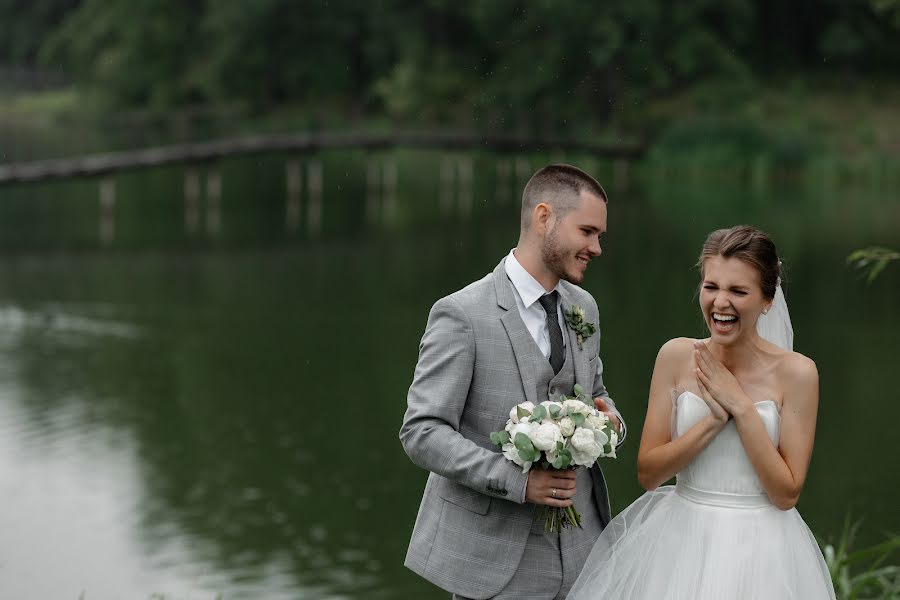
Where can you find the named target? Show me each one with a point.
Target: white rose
(577, 406)
(512, 453)
(514, 412)
(597, 421)
(566, 426)
(546, 435)
(583, 439)
(584, 447)
(585, 459)
(521, 427)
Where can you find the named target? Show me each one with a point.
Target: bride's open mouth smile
(723, 323)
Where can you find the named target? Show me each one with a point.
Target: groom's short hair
(560, 186)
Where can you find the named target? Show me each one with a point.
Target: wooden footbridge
(381, 176)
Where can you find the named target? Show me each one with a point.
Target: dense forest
(504, 64)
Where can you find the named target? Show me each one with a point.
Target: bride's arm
(782, 470)
(660, 457)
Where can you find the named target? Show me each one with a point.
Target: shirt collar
(527, 286)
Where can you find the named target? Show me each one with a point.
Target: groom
(498, 342)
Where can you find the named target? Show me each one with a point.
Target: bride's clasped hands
(719, 388)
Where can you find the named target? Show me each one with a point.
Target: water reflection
(226, 422)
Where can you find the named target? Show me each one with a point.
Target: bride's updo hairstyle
(749, 245)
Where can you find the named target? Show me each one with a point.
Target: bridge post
(191, 201)
(389, 205)
(107, 208)
(447, 183)
(523, 172)
(372, 182)
(620, 174)
(213, 203)
(294, 185)
(465, 170)
(314, 186)
(504, 170)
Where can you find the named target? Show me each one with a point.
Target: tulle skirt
(669, 545)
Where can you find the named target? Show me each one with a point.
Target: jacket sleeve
(435, 404)
(599, 390)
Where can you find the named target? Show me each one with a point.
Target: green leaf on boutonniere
(575, 320)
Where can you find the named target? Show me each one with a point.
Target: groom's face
(574, 240)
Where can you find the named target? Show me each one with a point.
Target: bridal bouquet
(557, 435)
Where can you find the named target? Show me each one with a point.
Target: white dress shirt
(528, 291)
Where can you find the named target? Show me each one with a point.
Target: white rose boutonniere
(575, 320)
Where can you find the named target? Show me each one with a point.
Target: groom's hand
(603, 407)
(550, 487)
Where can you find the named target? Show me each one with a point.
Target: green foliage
(522, 412)
(863, 574)
(547, 66)
(526, 449)
(538, 414)
(25, 25)
(733, 141)
(500, 437)
(872, 261)
(563, 457)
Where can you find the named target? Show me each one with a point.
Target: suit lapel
(519, 338)
(579, 355)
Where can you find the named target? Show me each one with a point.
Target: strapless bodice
(722, 471)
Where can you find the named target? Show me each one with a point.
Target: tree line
(503, 63)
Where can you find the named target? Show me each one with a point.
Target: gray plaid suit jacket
(473, 522)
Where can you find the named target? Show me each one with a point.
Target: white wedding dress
(714, 535)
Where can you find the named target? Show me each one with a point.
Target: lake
(191, 415)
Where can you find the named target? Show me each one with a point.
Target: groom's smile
(574, 239)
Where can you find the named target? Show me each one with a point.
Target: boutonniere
(575, 321)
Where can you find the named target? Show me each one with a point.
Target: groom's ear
(542, 218)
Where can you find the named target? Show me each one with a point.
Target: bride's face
(731, 298)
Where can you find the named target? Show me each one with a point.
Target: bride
(734, 417)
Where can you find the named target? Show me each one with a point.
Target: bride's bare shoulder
(795, 369)
(678, 347)
(676, 351)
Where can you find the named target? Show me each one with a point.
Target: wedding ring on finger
(553, 492)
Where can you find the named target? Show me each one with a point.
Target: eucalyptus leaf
(539, 413)
(523, 442)
(500, 437)
(577, 418)
(579, 391)
(522, 412)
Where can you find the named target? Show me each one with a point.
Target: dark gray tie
(557, 352)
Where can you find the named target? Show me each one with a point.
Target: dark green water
(194, 417)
